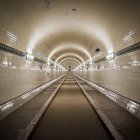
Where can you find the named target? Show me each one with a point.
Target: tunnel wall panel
(121, 75)
(18, 76)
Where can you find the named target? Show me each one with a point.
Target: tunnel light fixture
(29, 57)
(5, 63)
(90, 63)
(110, 56)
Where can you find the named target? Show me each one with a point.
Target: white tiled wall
(17, 76)
(121, 75)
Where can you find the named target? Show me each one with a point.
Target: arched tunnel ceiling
(70, 58)
(51, 28)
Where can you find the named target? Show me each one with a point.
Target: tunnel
(69, 70)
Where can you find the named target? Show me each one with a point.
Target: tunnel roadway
(68, 116)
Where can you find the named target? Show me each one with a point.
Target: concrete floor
(70, 117)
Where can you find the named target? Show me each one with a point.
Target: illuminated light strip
(127, 104)
(69, 46)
